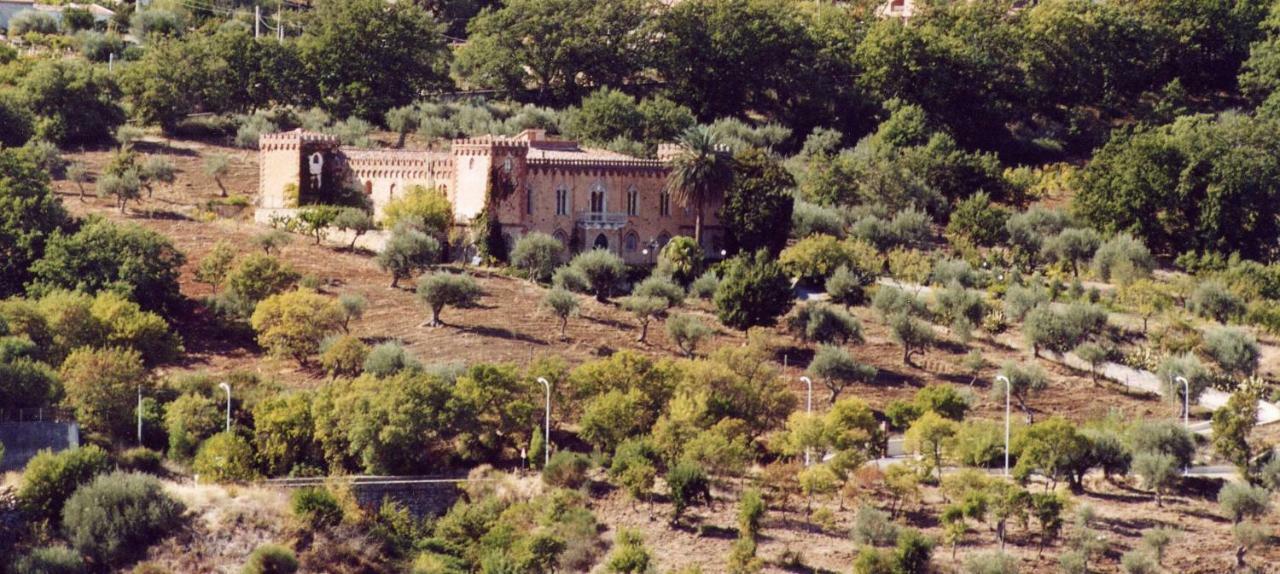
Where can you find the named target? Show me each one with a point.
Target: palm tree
(700, 172)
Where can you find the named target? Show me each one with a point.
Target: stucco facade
(584, 197)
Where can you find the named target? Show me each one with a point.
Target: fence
(37, 415)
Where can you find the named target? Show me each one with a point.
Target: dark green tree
(756, 212)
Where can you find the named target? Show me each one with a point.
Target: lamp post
(227, 388)
(546, 425)
(1008, 391)
(139, 415)
(808, 410)
(1186, 409)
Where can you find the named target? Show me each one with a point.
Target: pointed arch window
(633, 201)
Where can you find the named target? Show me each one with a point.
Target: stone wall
(423, 496)
(22, 440)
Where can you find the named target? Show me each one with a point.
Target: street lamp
(546, 427)
(139, 415)
(1008, 391)
(227, 388)
(1186, 410)
(1186, 400)
(808, 411)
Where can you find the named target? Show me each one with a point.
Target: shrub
(1234, 349)
(1123, 259)
(142, 459)
(751, 510)
(1021, 299)
(258, 276)
(811, 219)
(425, 209)
(1240, 501)
(387, 359)
(353, 307)
(601, 269)
(190, 419)
(689, 485)
(225, 457)
(344, 356)
(913, 334)
(113, 519)
(293, 324)
(990, 563)
(566, 469)
(834, 367)
(753, 292)
(873, 527)
(570, 279)
(271, 559)
(1188, 367)
(125, 258)
(686, 331)
(49, 479)
(32, 22)
(356, 220)
(704, 287)
(1138, 562)
(562, 304)
(813, 259)
(50, 560)
(101, 385)
(976, 221)
(681, 258)
(845, 287)
(316, 507)
(1212, 300)
(1073, 246)
(439, 290)
(537, 254)
(407, 251)
(822, 323)
(629, 555)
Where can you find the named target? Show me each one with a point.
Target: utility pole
(280, 21)
(139, 415)
(257, 22)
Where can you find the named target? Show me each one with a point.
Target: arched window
(631, 242)
(562, 201)
(392, 193)
(633, 201)
(664, 204)
(528, 200)
(597, 199)
(601, 242)
(368, 187)
(663, 240)
(561, 237)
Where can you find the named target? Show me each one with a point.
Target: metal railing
(602, 218)
(33, 415)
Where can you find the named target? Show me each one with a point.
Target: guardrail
(33, 415)
(602, 218)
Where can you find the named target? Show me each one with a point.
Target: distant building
(586, 198)
(11, 8)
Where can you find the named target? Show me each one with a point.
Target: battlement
(598, 163)
(294, 140)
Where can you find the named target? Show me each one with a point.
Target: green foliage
(990, 563)
(316, 507)
(688, 485)
(439, 290)
(571, 59)
(1055, 449)
(660, 287)
(1025, 380)
(387, 359)
(425, 209)
(1240, 501)
(1072, 246)
(873, 527)
(127, 259)
(283, 433)
(629, 555)
(74, 102)
(101, 385)
(1145, 171)
(634, 467)
(754, 291)
(50, 478)
(756, 203)
(50, 560)
(408, 250)
(113, 519)
(704, 287)
(189, 420)
(537, 254)
(1235, 350)
(270, 559)
(700, 172)
(601, 269)
(848, 287)
(836, 368)
(682, 258)
(1187, 366)
(976, 221)
(1045, 327)
(1123, 259)
(822, 323)
(344, 356)
(566, 469)
(369, 59)
(816, 257)
(225, 457)
(751, 511)
(687, 331)
(912, 334)
(293, 324)
(354, 220)
(1212, 300)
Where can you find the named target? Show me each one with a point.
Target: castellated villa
(586, 198)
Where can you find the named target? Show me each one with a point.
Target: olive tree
(913, 334)
(1212, 300)
(1072, 246)
(1024, 380)
(537, 254)
(562, 304)
(687, 331)
(837, 369)
(439, 290)
(356, 221)
(408, 250)
(601, 269)
(1240, 501)
(1235, 350)
(645, 308)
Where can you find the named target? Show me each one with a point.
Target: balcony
(601, 220)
